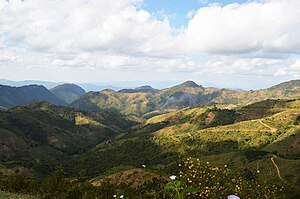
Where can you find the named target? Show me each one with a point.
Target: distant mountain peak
(144, 87)
(189, 84)
(68, 92)
(108, 90)
(141, 89)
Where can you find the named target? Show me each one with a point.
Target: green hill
(188, 94)
(68, 92)
(223, 139)
(15, 96)
(40, 135)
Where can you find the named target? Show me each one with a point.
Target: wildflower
(143, 165)
(172, 177)
(233, 197)
(257, 171)
(121, 196)
(114, 196)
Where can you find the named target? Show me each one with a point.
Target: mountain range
(147, 102)
(108, 134)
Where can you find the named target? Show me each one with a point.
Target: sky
(247, 44)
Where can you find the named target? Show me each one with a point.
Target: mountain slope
(41, 134)
(187, 94)
(68, 92)
(244, 145)
(14, 96)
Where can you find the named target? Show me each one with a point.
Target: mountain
(86, 86)
(40, 135)
(146, 103)
(14, 96)
(47, 84)
(141, 89)
(189, 84)
(68, 92)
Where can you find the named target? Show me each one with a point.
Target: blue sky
(232, 43)
(177, 9)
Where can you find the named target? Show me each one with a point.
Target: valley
(140, 136)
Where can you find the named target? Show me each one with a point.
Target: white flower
(114, 196)
(172, 177)
(143, 165)
(121, 196)
(257, 171)
(233, 197)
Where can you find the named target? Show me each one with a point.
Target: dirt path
(273, 130)
(279, 174)
(277, 168)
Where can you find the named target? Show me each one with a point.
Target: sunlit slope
(164, 139)
(188, 94)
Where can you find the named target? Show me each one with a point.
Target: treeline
(57, 185)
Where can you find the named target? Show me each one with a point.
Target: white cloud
(294, 69)
(271, 26)
(254, 38)
(232, 65)
(72, 26)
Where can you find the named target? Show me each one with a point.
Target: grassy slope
(163, 141)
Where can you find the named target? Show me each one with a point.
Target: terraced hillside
(150, 102)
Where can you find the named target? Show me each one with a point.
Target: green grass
(6, 195)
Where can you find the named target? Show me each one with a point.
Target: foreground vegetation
(195, 179)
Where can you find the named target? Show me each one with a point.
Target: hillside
(163, 140)
(188, 94)
(15, 96)
(41, 135)
(68, 92)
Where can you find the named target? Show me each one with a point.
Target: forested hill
(147, 102)
(15, 96)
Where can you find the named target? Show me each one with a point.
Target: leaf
(190, 190)
(169, 185)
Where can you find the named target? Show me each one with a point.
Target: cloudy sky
(238, 44)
